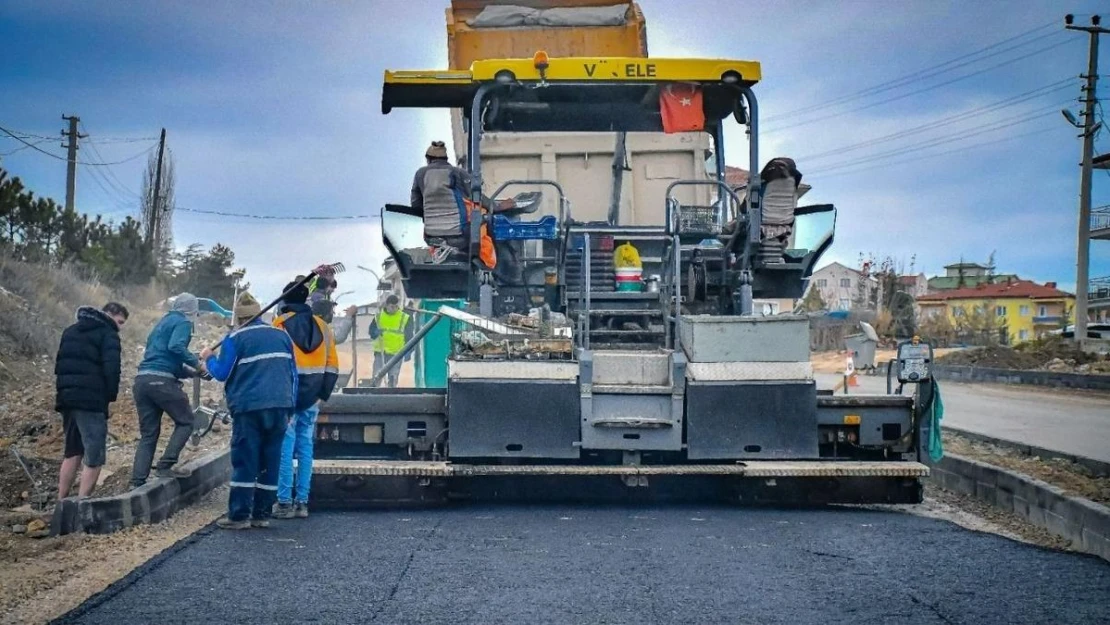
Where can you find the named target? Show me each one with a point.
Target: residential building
(961, 275)
(844, 288)
(1026, 309)
(914, 285)
(1098, 299)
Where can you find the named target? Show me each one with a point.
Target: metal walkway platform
(762, 469)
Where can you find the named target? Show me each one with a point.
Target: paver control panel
(915, 362)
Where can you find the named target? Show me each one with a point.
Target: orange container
(466, 44)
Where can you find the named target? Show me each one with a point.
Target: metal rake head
(329, 269)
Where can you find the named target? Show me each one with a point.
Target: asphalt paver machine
(675, 389)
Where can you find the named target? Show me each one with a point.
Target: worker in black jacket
(88, 371)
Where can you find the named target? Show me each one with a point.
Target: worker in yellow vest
(390, 329)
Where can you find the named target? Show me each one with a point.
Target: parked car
(1094, 331)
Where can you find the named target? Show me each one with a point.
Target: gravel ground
(42, 579)
(612, 564)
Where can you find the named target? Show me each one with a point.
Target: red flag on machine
(681, 107)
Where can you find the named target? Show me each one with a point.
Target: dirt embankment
(1050, 354)
(36, 303)
(1073, 478)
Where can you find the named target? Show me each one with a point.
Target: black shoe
(173, 472)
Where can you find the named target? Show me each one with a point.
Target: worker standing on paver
(158, 390)
(87, 372)
(317, 373)
(390, 329)
(257, 363)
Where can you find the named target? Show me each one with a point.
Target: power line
(938, 141)
(24, 147)
(919, 91)
(111, 177)
(951, 138)
(278, 217)
(958, 150)
(954, 138)
(62, 158)
(928, 72)
(123, 139)
(946, 121)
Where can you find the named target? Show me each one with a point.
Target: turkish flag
(681, 107)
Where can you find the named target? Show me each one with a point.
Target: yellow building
(1026, 310)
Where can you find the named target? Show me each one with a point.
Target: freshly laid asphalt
(608, 564)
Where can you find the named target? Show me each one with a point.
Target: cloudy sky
(272, 109)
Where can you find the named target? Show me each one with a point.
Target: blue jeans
(255, 457)
(298, 442)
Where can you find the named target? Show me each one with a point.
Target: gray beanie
(185, 303)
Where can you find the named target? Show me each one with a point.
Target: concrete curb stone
(1085, 523)
(153, 502)
(967, 373)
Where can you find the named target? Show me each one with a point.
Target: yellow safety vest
(392, 329)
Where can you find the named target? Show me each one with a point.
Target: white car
(1094, 331)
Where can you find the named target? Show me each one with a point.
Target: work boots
(225, 523)
(284, 511)
(301, 510)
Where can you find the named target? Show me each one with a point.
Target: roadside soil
(1050, 353)
(42, 579)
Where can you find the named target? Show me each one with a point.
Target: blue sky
(272, 108)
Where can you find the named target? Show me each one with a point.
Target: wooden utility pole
(1089, 100)
(71, 158)
(156, 202)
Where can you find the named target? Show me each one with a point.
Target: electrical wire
(24, 147)
(276, 217)
(110, 177)
(62, 158)
(919, 91)
(959, 135)
(823, 174)
(925, 73)
(945, 121)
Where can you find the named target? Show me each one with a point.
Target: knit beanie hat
(246, 307)
(437, 149)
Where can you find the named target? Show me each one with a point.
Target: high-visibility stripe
(266, 356)
(254, 485)
(311, 370)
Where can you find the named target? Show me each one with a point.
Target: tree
(813, 302)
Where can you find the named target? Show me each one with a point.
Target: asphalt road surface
(560, 564)
(1075, 423)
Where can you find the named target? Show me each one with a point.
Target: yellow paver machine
(574, 377)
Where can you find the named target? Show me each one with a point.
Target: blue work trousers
(255, 459)
(298, 443)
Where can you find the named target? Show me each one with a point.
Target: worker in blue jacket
(256, 363)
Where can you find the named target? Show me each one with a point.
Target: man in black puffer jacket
(88, 372)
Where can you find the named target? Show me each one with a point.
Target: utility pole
(1089, 99)
(156, 206)
(71, 158)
